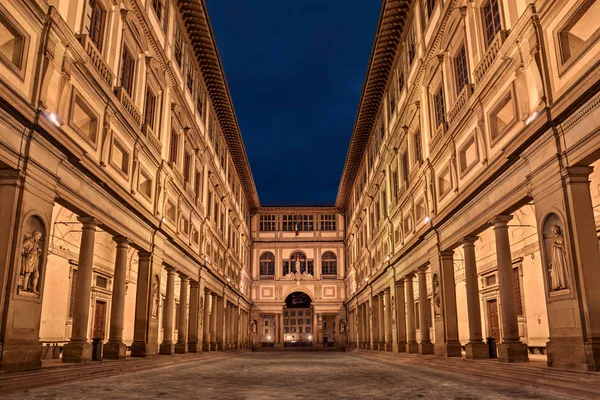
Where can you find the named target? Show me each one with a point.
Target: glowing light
(163, 220)
(268, 337)
(228, 280)
(532, 117)
(309, 337)
(366, 279)
(387, 258)
(54, 119)
(426, 219)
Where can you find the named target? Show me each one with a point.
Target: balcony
(96, 59)
(437, 138)
(149, 133)
(128, 104)
(266, 277)
(490, 55)
(460, 102)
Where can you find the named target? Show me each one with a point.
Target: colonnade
(381, 326)
(214, 321)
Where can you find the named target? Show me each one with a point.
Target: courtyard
(293, 374)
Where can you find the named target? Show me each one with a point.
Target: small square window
(145, 183)
(119, 157)
(502, 117)
(13, 43)
(580, 31)
(83, 119)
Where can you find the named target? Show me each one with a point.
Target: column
(194, 344)
(452, 347)
(380, 322)
(387, 323)
(182, 330)
(213, 322)
(511, 349)
(115, 348)
(401, 344)
(371, 324)
(79, 349)
(315, 328)
(425, 347)
(411, 327)
(147, 296)
(220, 321)
(206, 324)
(475, 348)
(167, 347)
(320, 328)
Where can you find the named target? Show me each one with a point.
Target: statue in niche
(558, 261)
(393, 310)
(155, 298)
(201, 312)
(30, 264)
(342, 327)
(437, 301)
(253, 327)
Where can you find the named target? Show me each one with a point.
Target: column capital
(183, 277)
(399, 283)
(121, 241)
(206, 290)
(469, 240)
(194, 284)
(170, 270)
(577, 174)
(409, 277)
(380, 295)
(144, 255)
(88, 222)
(447, 255)
(501, 221)
(422, 269)
(387, 290)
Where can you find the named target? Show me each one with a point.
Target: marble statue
(437, 301)
(155, 299)
(30, 266)
(253, 327)
(342, 327)
(558, 262)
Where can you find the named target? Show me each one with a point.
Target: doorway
(99, 320)
(493, 320)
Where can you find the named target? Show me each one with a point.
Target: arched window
(328, 263)
(298, 261)
(267, 263)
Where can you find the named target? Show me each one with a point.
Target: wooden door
(493, 321)
(99, 320)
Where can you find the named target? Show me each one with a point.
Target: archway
(298, 318)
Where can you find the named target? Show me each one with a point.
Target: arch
(328, 263)
(299, 289)
(267, 263)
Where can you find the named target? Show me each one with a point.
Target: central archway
(298, 318)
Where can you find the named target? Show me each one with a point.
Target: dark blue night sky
(295, 70)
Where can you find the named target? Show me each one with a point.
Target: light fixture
(228, 280)
(387, 258)
(54, 119)
(163, 220)
(532, 117)
(268, 337)
(309, 337)
(367, 279)
(427, 219)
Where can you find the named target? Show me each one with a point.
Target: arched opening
(298, 320)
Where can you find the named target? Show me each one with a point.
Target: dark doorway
(99, 320)
(493, 321)
(298, 321)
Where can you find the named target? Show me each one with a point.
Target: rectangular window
(410, 43)
(127, 71)
(178, 46)
(190, 74)
(145, 183)
(174, 147)
(150, 108)
(187, 165)
(200, 102)
(460, 64)
(157, 6)
(83, 120)
(405, 170)
(267, 223)
(94, 22)
(395, 185)
(502, 117)
(328, 222)
(120, 157)
(580, 31)
(198, 184)
(491, 20)
(438, 104)
(418, 148)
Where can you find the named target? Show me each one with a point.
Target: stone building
(465, 210)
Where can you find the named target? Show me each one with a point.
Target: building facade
(466, 210)
(469, 185)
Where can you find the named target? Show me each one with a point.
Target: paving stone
(290, 375)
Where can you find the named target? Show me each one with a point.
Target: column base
(513, 352)
(592, 351)
(77, 352)
(477, 351)
(400, 347)
(573, 353)
(381, 346)
(426, 348)
(114, 351)
(20, 358)
(387, 347)
(181, 348)
(142, 349)
(194, 347)
(220, 346)
(213, 346)
(205, 346)
(412, 348)
(166, 348)
(453, 349)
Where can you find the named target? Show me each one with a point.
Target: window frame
(18, 70)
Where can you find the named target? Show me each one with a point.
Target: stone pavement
(291, 375)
